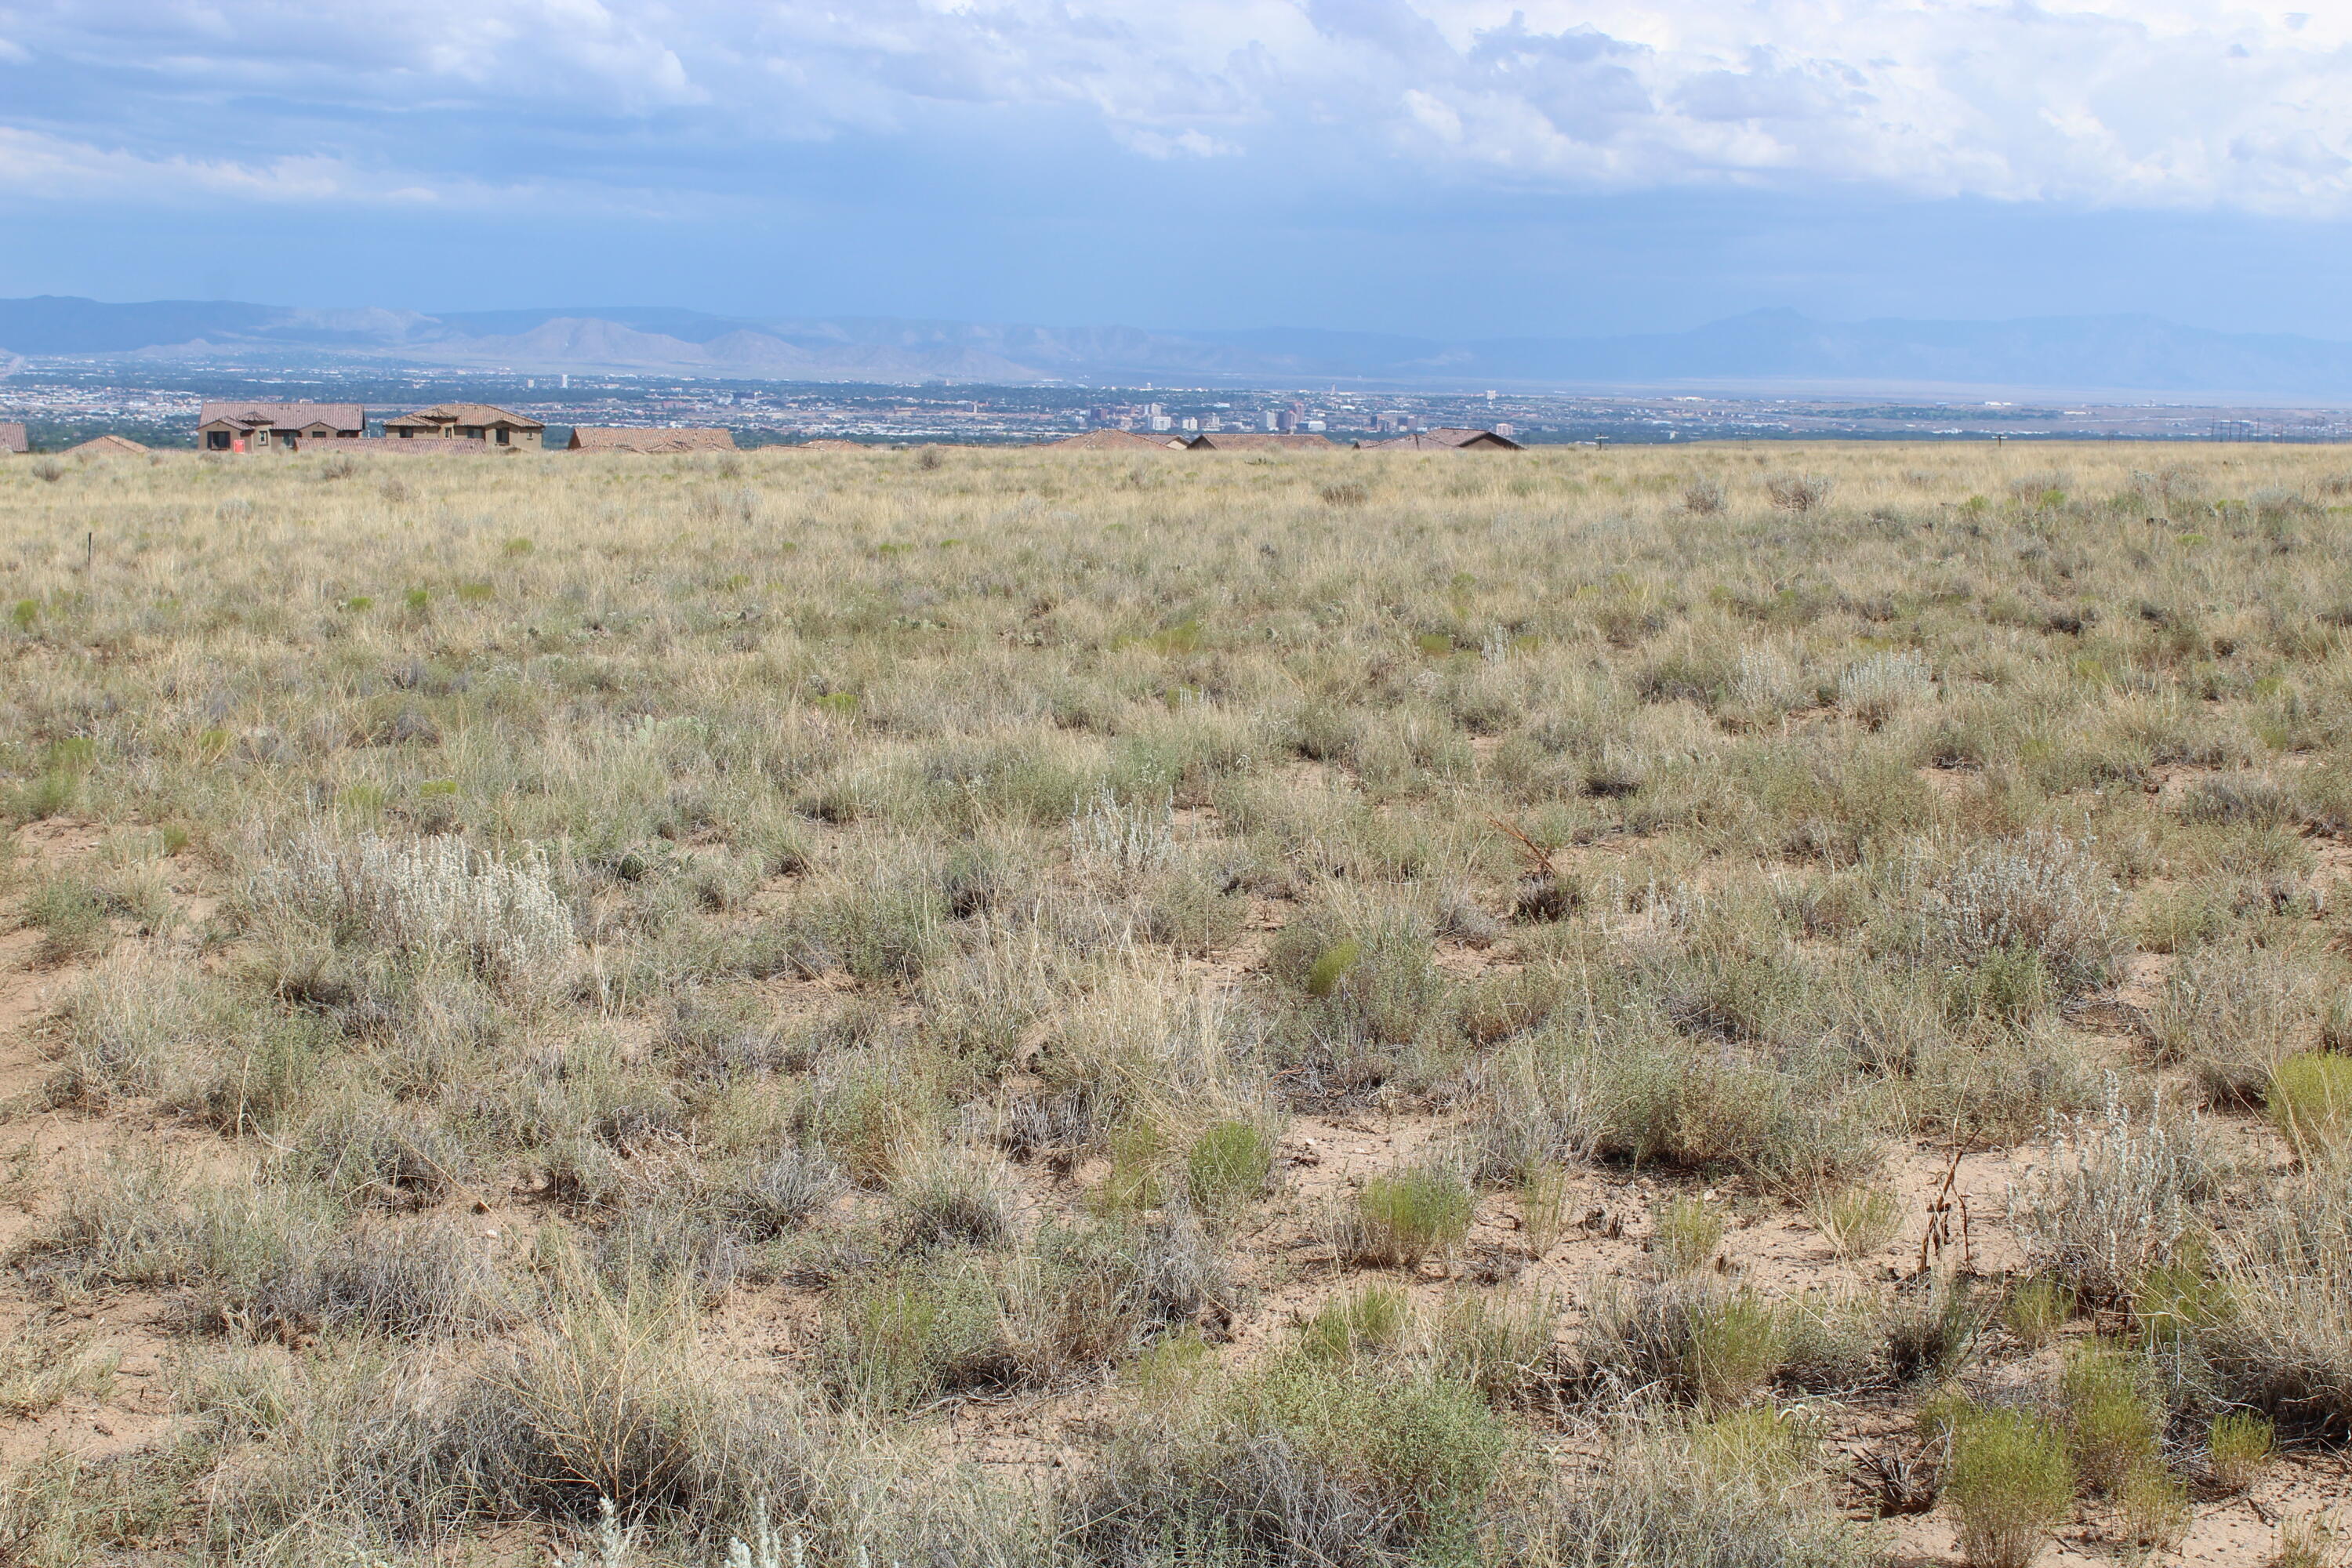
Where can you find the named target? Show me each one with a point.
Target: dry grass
(907, 996)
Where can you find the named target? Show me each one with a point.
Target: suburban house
(613, 439)
(1115, 440)
(1447, 440)
(285, 427)
(476, 422)
(108, 446)
(1253, 441)
(11, 440)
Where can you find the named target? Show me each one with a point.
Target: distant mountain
(1763, 350)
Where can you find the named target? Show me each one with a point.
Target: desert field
(1705, 1008)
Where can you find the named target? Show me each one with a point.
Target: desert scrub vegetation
(1017, 1009)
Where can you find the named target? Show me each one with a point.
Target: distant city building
(606, 438)
(277, 426)
(1286, 421)
(1315, 425)
(476, 422)
(1189, 423)
(1161, 421)
(107, 445)
(1272, 420)
(11, 440)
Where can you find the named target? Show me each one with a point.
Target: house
(11, 440)
(280, 426)
(828, 444)
(468, 422)
(109, 446)
(1255, 441)
(1445, 440)
(1108, 440)
(608, 438)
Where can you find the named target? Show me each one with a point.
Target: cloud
(2182, 104)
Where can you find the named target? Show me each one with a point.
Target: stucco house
(277, 426)
(468, 422)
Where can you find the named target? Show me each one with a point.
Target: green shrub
(2112, 1424)
(2037, 1309)
(1404, 1219)
(2008, 1482)
(1348, 1326)
(1688, 1233)
(1305, 1461)
(2310, 1102)
(1857, 1222)
(2237, 1445)
(1229, 1167)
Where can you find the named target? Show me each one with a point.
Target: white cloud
(2179, 103)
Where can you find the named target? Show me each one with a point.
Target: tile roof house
(108, 446)
(1445, 440)
(468, 422)
(1115, 441)
(608, 439)
(284, 427)
(1255, 441)
(12, 440)
(829, 444)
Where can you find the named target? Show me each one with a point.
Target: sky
(1444, 167)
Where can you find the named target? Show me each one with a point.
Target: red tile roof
(107, 445)
(1445, 440)
(1260, 441)
(611, 438)
(1115, 441)
(12, 438)
(284, 416)
(442, 414)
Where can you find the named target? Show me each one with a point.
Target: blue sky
(1453, 167)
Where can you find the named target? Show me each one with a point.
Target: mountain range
(1764, 350)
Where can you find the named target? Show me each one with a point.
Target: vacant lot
(1726, 1007)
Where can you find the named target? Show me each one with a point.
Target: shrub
(2234, 1013)
(2237, 1445)
(1728, 1494)
(1347, 1326)
(1306, 1460)
(2038, 893)
(1799, 493)
(1876, 689)
(1928, 1332)
(1687, 1234)
(2112, 1200)
(1402, 1218)
(946, 1197)
(2112, 1424)
(2155, 1506)
(428, 898)
(2281, 1344)
(1690, 1339)
(72, 917)
(2037, 1309)
(1857, 1222)
(2007, 1482)
(2310, 1101)
(1229, 1167)
(2309, 1541)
